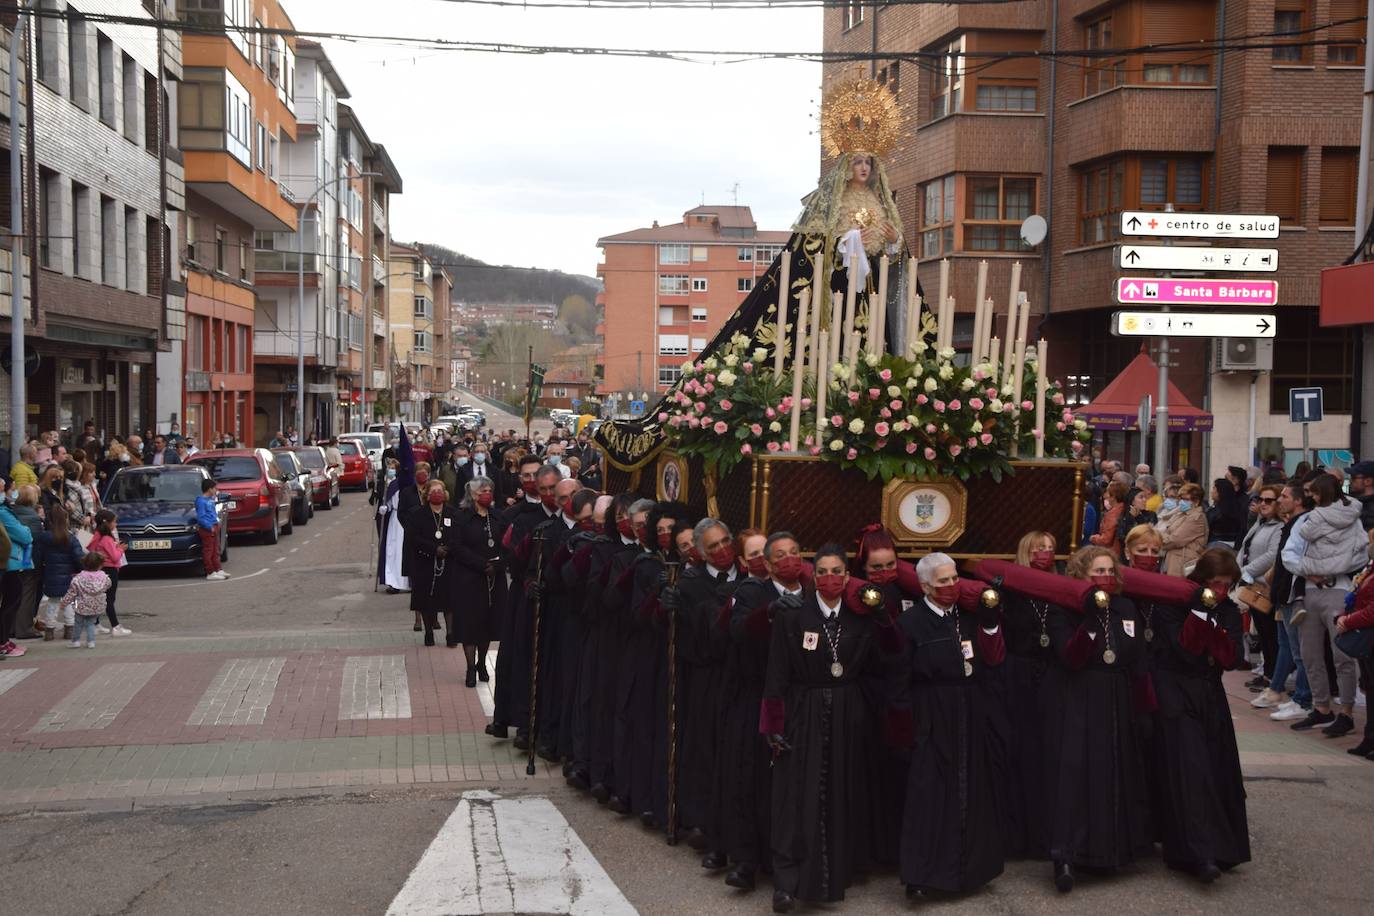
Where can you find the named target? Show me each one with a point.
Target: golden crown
(859, 115)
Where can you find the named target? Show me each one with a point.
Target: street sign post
(1170, 291)
(1199, 225)
(1192, 324)
(1184, 257)
(1305, 406)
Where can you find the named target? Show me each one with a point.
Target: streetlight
(300, 299)
(18, 396)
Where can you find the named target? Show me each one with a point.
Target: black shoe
(1063, 877)
(715, 861)
(1208, 872)
(1314, 718)
(617, 804)
(1343, 725)
(417, 628)
(482, 673)
(741, 876)
(497, 731)
(471, 679)
(696, 839)
(429, 637)
(646, 818)
(579, 779)
(782, 902)
(915, 892)
(601, 793)
(1257, 683)
(452, 644)
(521, 742)
(1363, 749)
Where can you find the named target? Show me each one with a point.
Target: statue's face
(861, 168)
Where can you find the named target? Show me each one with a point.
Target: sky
(528, 160)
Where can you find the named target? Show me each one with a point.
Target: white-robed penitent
(393, 544)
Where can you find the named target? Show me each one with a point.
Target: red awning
(1118, 405)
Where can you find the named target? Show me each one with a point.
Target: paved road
(282, 743)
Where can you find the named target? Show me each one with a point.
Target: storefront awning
(1118, 405)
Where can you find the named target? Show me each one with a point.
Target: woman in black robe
(431, 540)
(952, 829)
(824, 669)
(480, 599)
(1203, 819)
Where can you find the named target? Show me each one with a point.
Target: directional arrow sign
(1191, 324)
(1166, 291)
(1161, 257)
(1200, 225)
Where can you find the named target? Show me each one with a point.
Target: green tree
(578, 316)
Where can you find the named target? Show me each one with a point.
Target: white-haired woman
(479, 579)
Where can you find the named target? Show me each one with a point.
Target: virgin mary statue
(848, 223)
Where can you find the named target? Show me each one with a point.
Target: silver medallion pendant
(836, 669)
(1109, 657)
(490, 542)
(1044, 640)
(1149, 634)
(968, 669)
(438, 535)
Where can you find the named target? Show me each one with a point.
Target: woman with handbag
(1258, 551)
(1355, 637)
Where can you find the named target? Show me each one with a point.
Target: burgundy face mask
(946, 595)
(830, 585)
(789, 569)
(1145, 562)
(882, 576)
(1043, 560)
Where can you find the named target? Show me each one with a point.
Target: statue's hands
(890, 232)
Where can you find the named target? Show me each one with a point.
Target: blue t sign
(1305, 405)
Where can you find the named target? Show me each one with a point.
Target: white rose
(726, 378)
(917, 370)
(911, 420)
(931, 385)
(775, 427)
(688, 368)
(893, 391)
(838, 370)
(977, 426)
(856, 426)
(919, 347)
(899, 427)
(1006, 389)
(946, 372)
(760, 354)
(996, 405)
(731, 359)
(1080, 425)
(966, 384)
(947, 353)
(710, 363)
(836, 445)
(871, 360)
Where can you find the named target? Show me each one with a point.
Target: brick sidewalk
(148, 717)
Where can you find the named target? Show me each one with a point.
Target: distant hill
(477, 281)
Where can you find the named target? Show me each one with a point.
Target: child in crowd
(207, 526)
(87, 594)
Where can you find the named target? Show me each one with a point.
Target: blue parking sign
(636, 408)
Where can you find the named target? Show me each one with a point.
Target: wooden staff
(784, 281)
(672, 568)
(534, 648)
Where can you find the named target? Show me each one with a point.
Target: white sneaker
(221, 574)
(121, 630)
(102, 629)
(1268, 699)
(90, 645)
(74, 645)
(1289, 710)
(211, 577)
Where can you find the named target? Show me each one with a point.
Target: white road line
(484, 687)
(279, 560)
(124, 589)
(240, 693)
(99, 699)
(508, 855)
(11, 676)
(294, 549)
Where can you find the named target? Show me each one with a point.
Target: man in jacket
(11, 584)
(1362, 488)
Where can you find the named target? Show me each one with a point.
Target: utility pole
(1365, 370)
(19, 401)
(1162, 395)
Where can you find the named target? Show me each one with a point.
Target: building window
(1283, 184)
(698, 313)
(108, 250)
(1100, 73)
(106, 62)
(744, 255)
(698, 284)
(261, 150)
(45, 35)
(191, 226)
(81, 228)
(765, 254)
(1101, 192)
(133, 231)
(673, 284)
(853, 13)
(667, 315)
(129, 73)
(422, 341)
(668, 375)
(699, 253)
(1136, 182)
(1291, 19)
(698, 344)
(1350, 51)
(221, 252)
(241, 345)
(1171, 181)
(672, 345)
(1339, 177)
(1315, 357)
(49, 225)
(243, 260)
(674, 254)
(994, 210)
(744, 284)
(1003, 97)
(195, 343)
(423, 307)
(1163, 25)
(891, 77)
(78, 67)
(937, 217)
(947, 81)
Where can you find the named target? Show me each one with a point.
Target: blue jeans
(85, 625)
(1290, 659)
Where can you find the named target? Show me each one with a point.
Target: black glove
(788, 602)
(662, 579)
(670, 598)
(989, 618)
(535, 591)
(724, 591)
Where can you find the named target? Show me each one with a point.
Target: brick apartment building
(992, 141)
(668, 289)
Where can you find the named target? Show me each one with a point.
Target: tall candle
(819, 356)
(993, 349)
(976, 353)
(1040, 389)
(1017, 371)
(877, 317)
(989, 316)
(836, 324)
(821, 418)
(784, 290)
(798, 367)
(947, 323)
(913, 310)
(1012, 300)
(944, 285)
(850, 304)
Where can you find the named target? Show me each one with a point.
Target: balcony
(378, 217)
(285, 261)
(378, 271)
(378, 378)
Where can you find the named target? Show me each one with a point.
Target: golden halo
(859, 115)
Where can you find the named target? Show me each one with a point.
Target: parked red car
(356, 471)
(324, 480)
(259, 494)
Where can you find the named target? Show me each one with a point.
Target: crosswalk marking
(374, 687)
(508, 855)
(99, 699)
(11, 676)
(240, 693)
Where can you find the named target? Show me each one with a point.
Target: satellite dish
(1033, 230)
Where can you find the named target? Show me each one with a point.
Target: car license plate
(151, 545)
(230, 506)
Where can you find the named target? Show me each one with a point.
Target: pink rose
(710, 377)
(806, 403)
(853, 397)
(809, 440)
(770, 413)
(885, 375)
(1008, 407)
(1059, 426)
(662, 417)
(895, 404)
(911, 448)
(837, 420)
(693, 422)
(720, 428)
(675, 422)
(930, 428)
(955, 405)
(975, 403)
(786, 404)
(939, 406)
(756, 429)
(725, 404)
(922, 399)
(748, 368)
(985, 438)
(881, 429)
(885, 413)
(746, 449)
(1027, 405)
(930, 454)
(699, 366)
(1038, 434)
(1068, 415)
(972, 442)
(874, 393)
(710, 387)
(954, 450)
(881, 443)
(851, 454)
(700, 406)
(979, 375)
(1058, 397)
(991, 393)
(773, 446)
(815, 450)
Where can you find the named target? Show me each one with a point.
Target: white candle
(780, 337)
(989, 316)
(1018, 370)
(818, 353)
(1022, 319)
(1040, 389)
(944, 285)
(947, 323)
(994, 346)
(877, 317)
(913, 309)
(1012, 300)
(836, 325)
(821, 418)
(851, 294)
(798, 367)
(976, 352)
